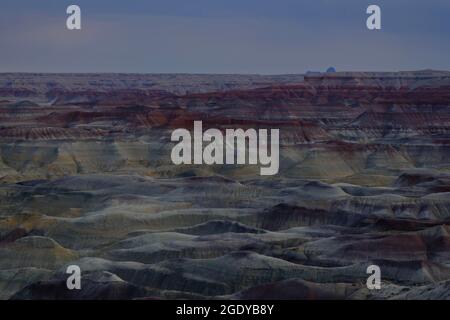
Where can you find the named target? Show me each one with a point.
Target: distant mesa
(318, 73)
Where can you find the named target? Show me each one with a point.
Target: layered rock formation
(86, 178)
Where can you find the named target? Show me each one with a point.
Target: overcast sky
(223, 36)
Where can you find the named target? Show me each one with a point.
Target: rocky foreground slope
(86, 178)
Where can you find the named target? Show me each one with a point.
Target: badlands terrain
(86, 178)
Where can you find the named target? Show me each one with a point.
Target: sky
(223, 36)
